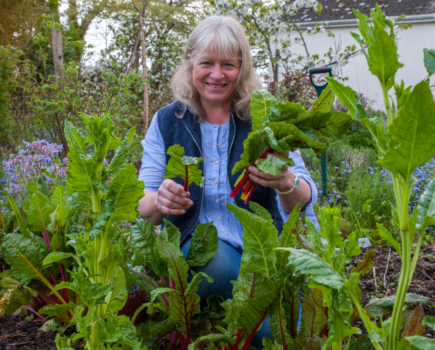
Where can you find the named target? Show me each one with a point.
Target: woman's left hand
(282, 182)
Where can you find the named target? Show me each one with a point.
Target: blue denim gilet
(185, 131)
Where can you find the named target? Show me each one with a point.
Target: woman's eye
(206, 63)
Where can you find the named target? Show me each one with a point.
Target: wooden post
(144, 113)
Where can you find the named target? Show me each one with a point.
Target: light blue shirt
(214, 140)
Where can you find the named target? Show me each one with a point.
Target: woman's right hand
(171, 198)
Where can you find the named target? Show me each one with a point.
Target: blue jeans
(223, 268)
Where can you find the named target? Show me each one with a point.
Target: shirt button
(218, 144)
(223, 230)
(215, 181)
(216, 161)
(219, 218)
(216, 201)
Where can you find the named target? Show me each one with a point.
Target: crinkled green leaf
(13, 298)
(24, 256)
(365, 265)
(361, 343)
(261, 102)
(415, 122)
(284, 112)
(261, 212)
(324, 126)
(75, 139)
(260, 238)
(383, 61)
(386, 235)
(124, 195)
(324, 101)
(184, 167)
(274, 164)
(120, 160)
(311, 264)
(203, 245)
(80, 173)
(429, 60)
(144, 239)
(117, 297)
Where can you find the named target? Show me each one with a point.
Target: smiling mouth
(215, 85)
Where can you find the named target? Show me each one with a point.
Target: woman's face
(215, 77)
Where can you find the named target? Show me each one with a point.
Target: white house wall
(410, 48)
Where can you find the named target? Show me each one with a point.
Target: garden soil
(423, 282)
(17, 333)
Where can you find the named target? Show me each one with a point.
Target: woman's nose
(217, 72)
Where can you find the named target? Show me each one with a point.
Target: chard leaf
(120, 160)
(361, 343)
(56, 310)
(38, 212)
(378, 307)
(324, 101)
(75, 139)
(260, 238)
(182, 308)
(278, 322)
(365, 265)
(414, 123)
(426, 208)
(324, 126)
(383, 62)
(349, 98)
(24, 256)
(386, 235)
(422, 343)
(274, 164)
(252, 295)
(124, 194)
(287, 238)
(365, 29)
(339, 328)
(203, 245)
(118, 296)
(261, 212)
(196, 280)
(413, 325)
(184, 167)
(80, 173)
(13, 298)
(178, 267)
(311, 264)
(429, 321)
(284, 112)
(146, 251)
(429, 61)
(212, 338)
(314, 317)
(261, 102)
(55, 257)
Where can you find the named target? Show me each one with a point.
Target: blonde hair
(226, 35)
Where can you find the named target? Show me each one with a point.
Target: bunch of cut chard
(284, 128)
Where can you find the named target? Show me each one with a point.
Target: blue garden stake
(319, 89)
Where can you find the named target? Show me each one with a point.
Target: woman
(210, 119)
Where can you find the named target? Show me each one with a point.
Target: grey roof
(334, 10)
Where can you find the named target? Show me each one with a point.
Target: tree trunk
(58, 54)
